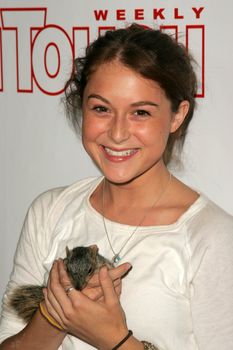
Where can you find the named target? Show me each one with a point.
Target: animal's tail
(25, 300)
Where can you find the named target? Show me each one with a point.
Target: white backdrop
(37, 148)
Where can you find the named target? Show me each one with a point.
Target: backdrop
(38, 150)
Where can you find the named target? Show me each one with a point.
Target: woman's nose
(119, 129)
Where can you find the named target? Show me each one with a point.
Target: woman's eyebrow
(144, 103)
(98, 97)
(134, 104)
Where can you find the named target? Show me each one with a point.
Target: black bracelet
(123, 340)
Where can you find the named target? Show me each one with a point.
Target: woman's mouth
(119, 155)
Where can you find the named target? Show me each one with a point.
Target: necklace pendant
(116, 258)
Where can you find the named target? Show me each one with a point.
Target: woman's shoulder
(209, 214)
(51, 196)
(210, 241)
(55, 200)
(209, 225)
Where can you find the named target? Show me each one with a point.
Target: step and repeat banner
(38, 41)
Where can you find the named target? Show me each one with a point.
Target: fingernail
(129, 266)
(128, 269)
(60, 261)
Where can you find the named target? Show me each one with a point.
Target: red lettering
(42, 51)
(48, 70)
(80, 35)
(176, 14)
(1, 70)
(197, 11)
(100, 14)
(139, 14)
(103, 30)
(23, 21)
(196, 33)
(51, 36)
(120, 15)
(158, 13)
(170, 29)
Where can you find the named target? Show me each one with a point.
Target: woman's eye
(142, 113)
(100, 109)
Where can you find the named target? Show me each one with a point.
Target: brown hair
(151, 53)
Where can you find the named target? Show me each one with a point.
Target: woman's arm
(212, 289)
(28, 269)
(39, 334)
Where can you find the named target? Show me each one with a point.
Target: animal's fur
(81, 263)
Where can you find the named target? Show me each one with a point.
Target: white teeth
(127, 152)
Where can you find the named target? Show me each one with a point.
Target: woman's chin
(120, 179)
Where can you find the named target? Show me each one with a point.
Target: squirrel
(80, 262)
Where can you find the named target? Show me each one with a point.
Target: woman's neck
(140, 193)
(157, 200)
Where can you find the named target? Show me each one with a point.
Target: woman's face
(126, 123)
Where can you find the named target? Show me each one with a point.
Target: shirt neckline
(197, 205)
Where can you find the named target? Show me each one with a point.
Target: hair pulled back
(152, 54)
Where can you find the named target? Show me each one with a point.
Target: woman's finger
(117, 282)
(118, 290)
(119, 271)
(93, 293)
(56, 292)
(96, 293)
(93, 281)
(52, 311)
(63, 276)
(106, 283)
(115, 273)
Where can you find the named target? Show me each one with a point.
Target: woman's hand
(95, 314)
(93, 289)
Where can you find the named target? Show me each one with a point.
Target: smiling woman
(134, 95)
(126, 125)
(154, 56)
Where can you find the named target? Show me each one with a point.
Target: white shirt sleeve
(28, 268)
(212, 287)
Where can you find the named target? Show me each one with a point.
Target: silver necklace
(116, 255)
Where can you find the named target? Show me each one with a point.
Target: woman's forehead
(115, 76)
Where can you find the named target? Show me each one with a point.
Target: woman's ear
(179, 116)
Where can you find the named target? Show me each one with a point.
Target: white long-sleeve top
(179, 294)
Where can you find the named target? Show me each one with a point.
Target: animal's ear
(68, 252)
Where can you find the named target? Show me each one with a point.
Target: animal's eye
(90, 271)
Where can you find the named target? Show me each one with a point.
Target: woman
(136, 90)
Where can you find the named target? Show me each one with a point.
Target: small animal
(80, 262)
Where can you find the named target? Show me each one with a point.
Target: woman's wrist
(128, 342)
(122, 341)
(132, 344)
(48, 317)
